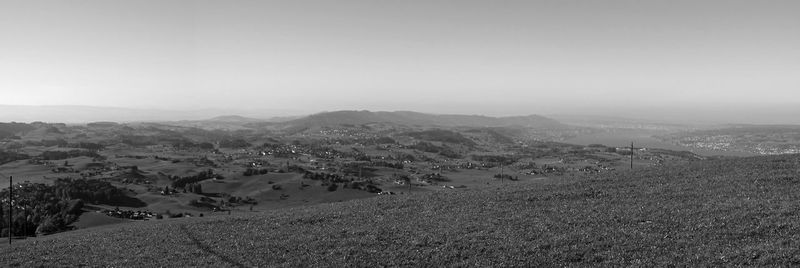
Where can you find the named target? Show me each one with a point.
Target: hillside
(722, 212)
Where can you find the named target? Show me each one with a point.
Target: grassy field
(707, 213)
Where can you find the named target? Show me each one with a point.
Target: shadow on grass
(212, 194)
(208, 249)
(126, 201)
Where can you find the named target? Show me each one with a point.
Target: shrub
(333, 187)
(50, 225)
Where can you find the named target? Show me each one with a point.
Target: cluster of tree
(37, 208)
(325, 177)
(65, 144)
(361, 170)
(6, 157)
(181, 182)
(239, 200)
(435, 177)
(498, 159)
(48, 143)
(173, 160)
(431, 148)
(193, 188)
(204, 202)
(362, 157)
(234, 143)
(44, 209)
(255, 171)
(505, 177)
(332, 182)
(203, 162)
(292, 168)
(449, 153)
(87, 145)
(426, 147)
(92, 191)
(442, 136)
(333, 187)
(59, 155)
(63, 169)
(367, 185)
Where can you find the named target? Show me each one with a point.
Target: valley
(78, 181)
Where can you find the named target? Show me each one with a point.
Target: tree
(74, 207)
(2, 217)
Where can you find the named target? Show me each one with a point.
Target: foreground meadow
(713, 212)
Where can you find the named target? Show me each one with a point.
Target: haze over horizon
(720, 61)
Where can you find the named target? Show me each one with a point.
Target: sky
(641, 58)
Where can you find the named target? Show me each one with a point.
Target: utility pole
(10, 205)
(631, 155)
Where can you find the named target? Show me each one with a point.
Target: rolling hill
(719, 212)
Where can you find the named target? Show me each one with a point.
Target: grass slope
(716, 212)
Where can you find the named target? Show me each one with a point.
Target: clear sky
(487, 57)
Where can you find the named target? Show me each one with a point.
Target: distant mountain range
(358, 118)
(420, 119)
(208, 120)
